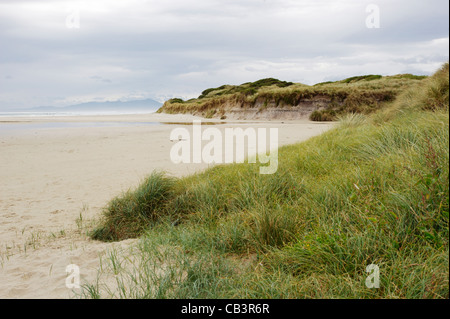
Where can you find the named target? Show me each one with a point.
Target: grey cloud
(99, 78)
(179, 48)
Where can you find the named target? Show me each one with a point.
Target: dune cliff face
(268, 110)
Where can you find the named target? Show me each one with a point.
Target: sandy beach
(56, 175)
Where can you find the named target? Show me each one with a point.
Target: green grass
(370, 77)
(248, 88)
(374, 190)
(131, 213)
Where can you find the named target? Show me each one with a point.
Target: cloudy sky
(56, 52)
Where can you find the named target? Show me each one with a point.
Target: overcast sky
(56, 52)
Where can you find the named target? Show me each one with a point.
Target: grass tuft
(129, 215)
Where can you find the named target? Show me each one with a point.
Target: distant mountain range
(116, 106)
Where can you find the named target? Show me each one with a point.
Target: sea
(7, 126)
(47, 114)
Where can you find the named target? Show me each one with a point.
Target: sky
(58, 53)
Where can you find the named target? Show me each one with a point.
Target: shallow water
(8, 126)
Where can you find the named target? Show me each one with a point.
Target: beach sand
(55, 180)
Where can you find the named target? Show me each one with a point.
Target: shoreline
(54, 179)
(144, 117)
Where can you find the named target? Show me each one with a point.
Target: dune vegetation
(329, 100)
(373, 190)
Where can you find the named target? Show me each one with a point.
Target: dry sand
(51, 176)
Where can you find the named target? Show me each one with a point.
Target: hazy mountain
(116, 106)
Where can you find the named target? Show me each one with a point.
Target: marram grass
(374, 190)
